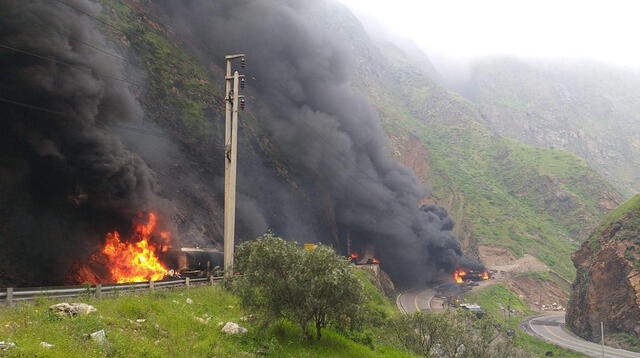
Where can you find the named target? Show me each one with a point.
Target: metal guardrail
(10, 295)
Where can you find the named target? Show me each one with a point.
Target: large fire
(132, 260)
(458, 276)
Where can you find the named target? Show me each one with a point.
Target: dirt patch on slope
(528, 277)
(549, 293)
(494, 255)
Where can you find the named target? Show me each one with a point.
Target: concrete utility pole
(602, 334)
(233, 102)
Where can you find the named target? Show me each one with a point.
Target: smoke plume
(301, 64)
(65, 180)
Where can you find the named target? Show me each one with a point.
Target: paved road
(551, 328)
(415, 300)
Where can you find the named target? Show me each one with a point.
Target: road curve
(415, 300)
(550, 327)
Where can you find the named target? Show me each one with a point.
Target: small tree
(281, 280)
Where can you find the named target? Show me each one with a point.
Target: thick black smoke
(301, 65)
(65, 180)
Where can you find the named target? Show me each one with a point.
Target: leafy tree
(281, 280)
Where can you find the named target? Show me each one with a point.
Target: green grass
(542, 276)
(625, 219)
(493, 299)
(170, 330)
(376, 300)
(626, 341)
(632, 204)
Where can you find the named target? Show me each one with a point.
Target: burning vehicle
(145, 255)
(461, 276)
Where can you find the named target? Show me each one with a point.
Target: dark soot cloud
(64, 180)
(301, 66)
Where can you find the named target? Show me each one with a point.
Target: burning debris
(133, 260)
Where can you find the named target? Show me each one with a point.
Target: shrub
(281, 280)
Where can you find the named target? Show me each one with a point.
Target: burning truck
(461, 275)
(144, 255)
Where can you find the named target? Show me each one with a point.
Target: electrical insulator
(242, 103)
(243, 62)
(242, 82)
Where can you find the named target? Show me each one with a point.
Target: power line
(102, 50)
(117, 126)
(90, 15)
(79, 66)
(30, 106)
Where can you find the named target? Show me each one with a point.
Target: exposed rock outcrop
(72, 309)
(380, 279)
(233, 328)
(607, 285)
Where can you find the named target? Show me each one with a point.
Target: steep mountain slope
(587, 108)
(541, 201)
(607, 285)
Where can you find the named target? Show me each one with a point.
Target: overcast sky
(600, 30)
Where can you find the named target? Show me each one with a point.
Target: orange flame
(485, 275)
(375, 261)
(134, 260)
(458, 276)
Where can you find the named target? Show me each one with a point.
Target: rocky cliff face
(607, 285)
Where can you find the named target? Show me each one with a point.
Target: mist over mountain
(588, 108)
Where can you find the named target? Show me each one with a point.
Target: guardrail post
(151, 285)
(10, 296)
(99, 290)
(211, 280)
(186, 282)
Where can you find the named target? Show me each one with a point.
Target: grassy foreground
(171, 328)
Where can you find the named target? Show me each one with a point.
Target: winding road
(550, 327)
(415, 300)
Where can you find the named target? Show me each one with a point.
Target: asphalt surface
(550, 327)
(415, 300)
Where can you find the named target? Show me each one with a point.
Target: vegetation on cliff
(607, 284)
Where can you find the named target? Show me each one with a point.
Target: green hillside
(529, 199)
